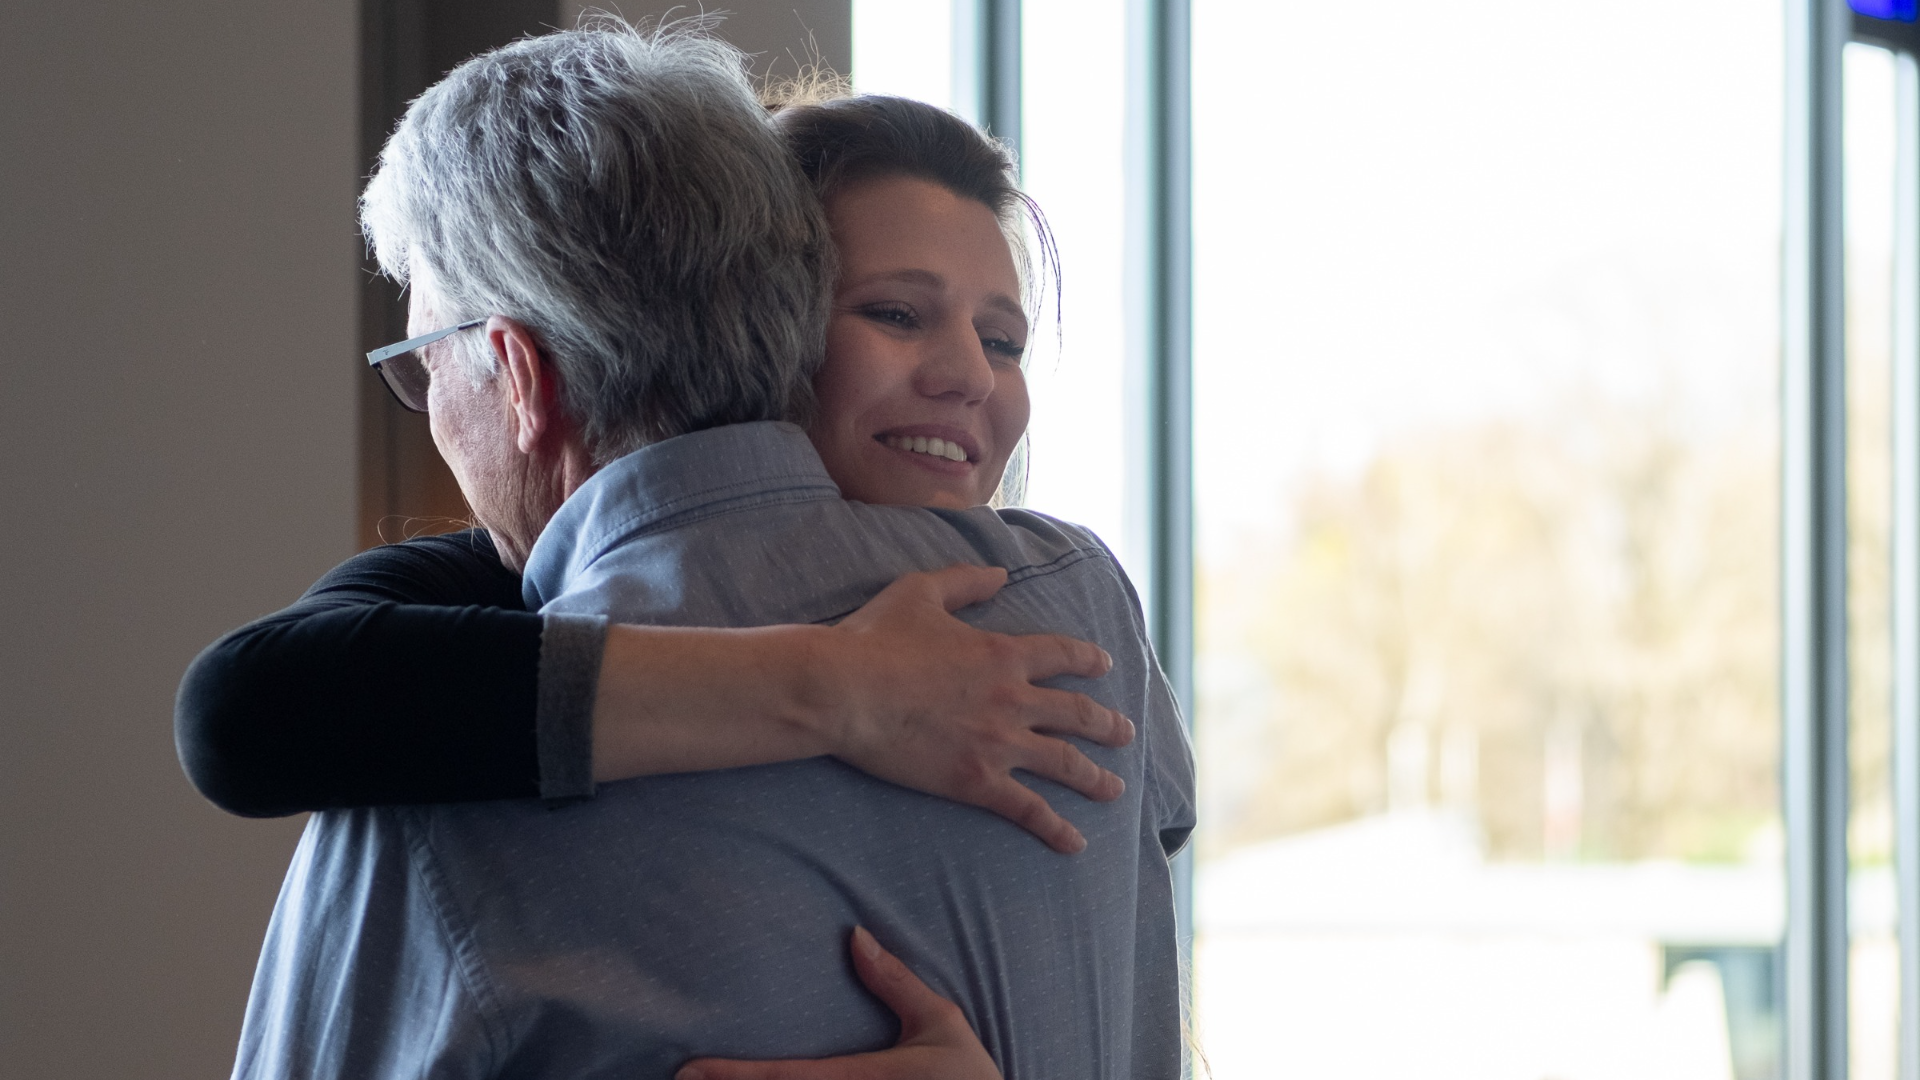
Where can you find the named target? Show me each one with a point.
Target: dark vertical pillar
(1161, 52)
(1170, 373)
(1000, 62)
(406, 46)
(1813, 601)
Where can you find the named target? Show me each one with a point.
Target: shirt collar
(691, 475)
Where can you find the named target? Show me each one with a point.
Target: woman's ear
(533, 387)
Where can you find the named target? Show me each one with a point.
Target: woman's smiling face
(922, 398)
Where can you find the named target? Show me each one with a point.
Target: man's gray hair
(622, 195)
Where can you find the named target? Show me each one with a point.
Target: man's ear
(533, 387)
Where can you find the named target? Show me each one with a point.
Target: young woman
(924, 351)
(411, 674)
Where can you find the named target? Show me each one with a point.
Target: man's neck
(548, 484)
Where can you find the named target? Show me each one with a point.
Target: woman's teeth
(920, 444)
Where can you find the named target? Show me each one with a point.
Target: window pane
(1874, 960)
(904, 47)
(1073, 127)
(1486, 402)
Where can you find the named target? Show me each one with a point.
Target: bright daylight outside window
(1487, 417)
(1869, 95)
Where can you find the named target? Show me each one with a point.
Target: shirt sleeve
(1169, 770)
(1170, 796)
(411, 673)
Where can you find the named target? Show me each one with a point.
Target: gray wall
(177, 455)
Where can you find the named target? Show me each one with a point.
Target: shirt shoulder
(1023, 541)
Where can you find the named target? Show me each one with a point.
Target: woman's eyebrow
(1010, 307)
(924, 278)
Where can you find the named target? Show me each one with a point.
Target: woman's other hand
(928, 702)
(935, 1042)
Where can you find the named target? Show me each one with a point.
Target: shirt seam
(467, 964)
(1058, 564)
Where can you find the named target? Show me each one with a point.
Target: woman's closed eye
(1004, 349)
(892, 313)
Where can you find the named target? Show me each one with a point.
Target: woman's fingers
(879, 1065)
(1063, 712)
(1048, 655)
(722, 1069)
(1064, 764)
(921, 1011)
(957, 586)
(935, 1042)
(1019, 804)
(929, 702)
(1043, 655)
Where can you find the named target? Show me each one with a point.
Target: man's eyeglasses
(404, 372)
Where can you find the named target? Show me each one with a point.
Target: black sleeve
(408, 674)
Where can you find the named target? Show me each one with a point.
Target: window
(1549, 492)
(1486, 492)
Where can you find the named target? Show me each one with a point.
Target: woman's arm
(406, 675)
(935, 1042)
(900, 689)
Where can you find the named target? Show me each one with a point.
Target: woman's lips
(933, 447)
(946, 449)
(930, 453)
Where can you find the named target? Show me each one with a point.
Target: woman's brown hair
(845, 140)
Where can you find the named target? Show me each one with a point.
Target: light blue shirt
(707, 914)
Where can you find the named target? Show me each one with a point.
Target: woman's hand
(928, 702)
(899, 689)
(935, 1042)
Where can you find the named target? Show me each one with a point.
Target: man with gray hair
(642, 277)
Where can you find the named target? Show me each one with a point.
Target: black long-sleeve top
(408, 674)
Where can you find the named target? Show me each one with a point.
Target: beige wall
(176, 441)
(177, 261)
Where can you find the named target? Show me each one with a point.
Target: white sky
(904, 47)
(1454, 210)
(1408, 214)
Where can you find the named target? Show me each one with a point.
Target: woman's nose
(956, 367)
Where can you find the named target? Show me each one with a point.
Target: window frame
(1816, 801)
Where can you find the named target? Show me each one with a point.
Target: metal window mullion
(1162, 49)
(1159, 52)
(1171, 375)
(987, 59)
(1813, 602)
(1000, 83)
(1168, 331)
(1161, 299)
(1906, 549)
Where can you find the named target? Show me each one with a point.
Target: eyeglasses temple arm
(388, 352)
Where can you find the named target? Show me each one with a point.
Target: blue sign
(1896, 10)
